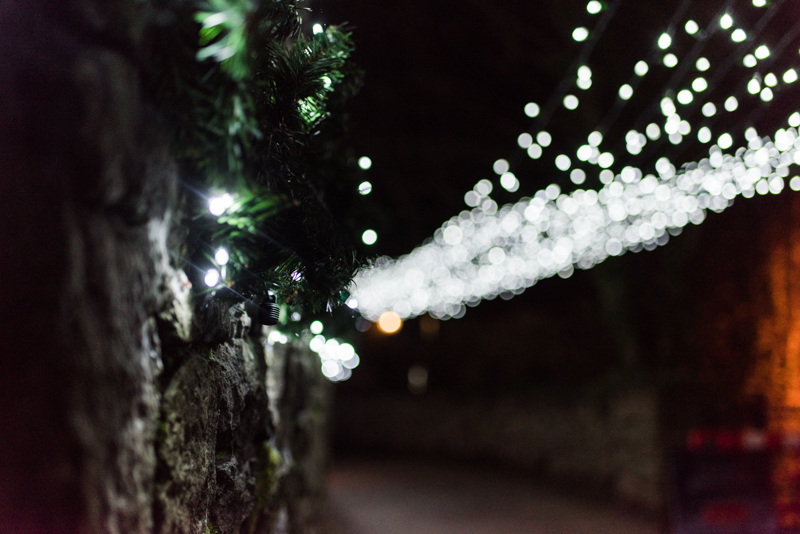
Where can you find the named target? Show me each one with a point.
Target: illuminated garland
(489, 250)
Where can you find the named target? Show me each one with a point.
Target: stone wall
(129, 405)
(610, 447)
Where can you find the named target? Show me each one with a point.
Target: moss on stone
(269, 460)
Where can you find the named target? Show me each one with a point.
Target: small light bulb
(594, 7)
(317, 28)
(221, 256)
(625, 92)
(738, 35)
(364, 188)
(670, 60)
(212, 277)
(580, 34)
(762, 52)
(389, 322)
(316, 327)
(641, 68)
(702, 64)
(369, 237)
(790, 76)
(726, 21)
(664, 40)
(691, 27)
(364, 162)
(749, 61)
(532, 109)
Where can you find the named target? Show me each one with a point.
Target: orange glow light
(389, 322)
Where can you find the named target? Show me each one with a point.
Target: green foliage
(256, 109)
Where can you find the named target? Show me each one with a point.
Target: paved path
(401, 497)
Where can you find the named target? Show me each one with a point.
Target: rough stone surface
(129, 405)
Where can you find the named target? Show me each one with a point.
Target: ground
(423, 497)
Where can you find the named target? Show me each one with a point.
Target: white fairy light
(762, 52)
(364, 162)
(594, 7)
(749, 61)
(641, 68)
(702, 64)
(759, 3)
(577, 176)
(691, 27)
(337, 359)
(500, 166)
(509, 182)
(726, 21)
(709, 109)
(625, 92)
(738, 35)
(571, 102)
(770, 80)
(536, 238)
(653, 131)
(699, 84)
(525, 140)
(219, 205)
(221, 256)
(369, 237)
(364, 188)
(584, 73)
(595, 138)
(532, 109)
(790, 76)
(563, 162)
(580, 34)
(211, 278)
(731, 104)
(317, 28)
(753, 86)
(685, 96)
(670, 60)
(664, 41)
(544, 138)
(704, 134)
(534, 151)
(766, 94)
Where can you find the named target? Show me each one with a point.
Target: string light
(364, 188)
(364, 162)
(554, 233)
(212, 277)
(221, 257)
(594, 7)
(580, 34)
(369, 237)
(337, 359)
(219, 205)
(532, 109)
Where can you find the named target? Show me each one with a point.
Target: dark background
(445, 87)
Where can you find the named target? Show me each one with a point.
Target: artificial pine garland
(256, 110)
